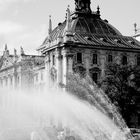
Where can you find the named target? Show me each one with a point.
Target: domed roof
(95, 26)
(85, 25)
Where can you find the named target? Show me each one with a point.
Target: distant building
(20, 71)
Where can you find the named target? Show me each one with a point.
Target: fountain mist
(55, 115)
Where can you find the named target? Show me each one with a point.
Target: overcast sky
(25, 22)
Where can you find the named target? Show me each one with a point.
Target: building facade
(83, 43)
(20, 71)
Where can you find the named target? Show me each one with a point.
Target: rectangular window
(95, 77)
(94, 60)
(138, 60)
(124, 60)
(79, 57)
(53, 60)
(110, 58)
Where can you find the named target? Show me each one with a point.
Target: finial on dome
(21, 50)
(98, 10)
(135, 27)
(68, 33)
(50, 29)
(68, 19)
(6, 47)
(15, 52)
(50, 25)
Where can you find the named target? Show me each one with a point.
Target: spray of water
(54, 115)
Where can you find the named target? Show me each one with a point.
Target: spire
(6, 51)
(68, 19)
(6, 47)
(15, 52)
(135, 27)
(50, 25)
(50, 29)
(68, 33)
(21, 51)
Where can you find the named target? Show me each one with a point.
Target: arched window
(124, 60)
(94, 59)
(110, 58)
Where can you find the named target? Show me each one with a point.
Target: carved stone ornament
(82, 5)
(53, 74)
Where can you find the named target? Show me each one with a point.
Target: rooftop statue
(82, 6)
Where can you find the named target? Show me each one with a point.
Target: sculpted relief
(82, 5)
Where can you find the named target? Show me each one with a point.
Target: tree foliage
(122, 84)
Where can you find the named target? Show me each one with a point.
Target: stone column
(118, 57)
(102, 63)
(87, 62)
(47, 69)
(64, 67)
(15, 78)
(8, 81)
(58, 66)
(70, 63)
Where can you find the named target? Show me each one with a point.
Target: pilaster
(87, 61)
(64, 63)
(102, 63)
(118, 58)
(47, 69)
(58, 65)
(70, 63)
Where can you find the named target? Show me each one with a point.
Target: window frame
(124, 61)
(94, 61)
(81, 57)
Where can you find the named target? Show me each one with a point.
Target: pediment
(6, 62)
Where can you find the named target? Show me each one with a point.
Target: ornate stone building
(85, 43)
(82, 43)
(20, 71)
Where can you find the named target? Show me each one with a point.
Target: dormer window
(79, 57)
(131, 42)
(94, 59)
(124, 60)
(88, 38)
(117, 40)
(103, 39)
